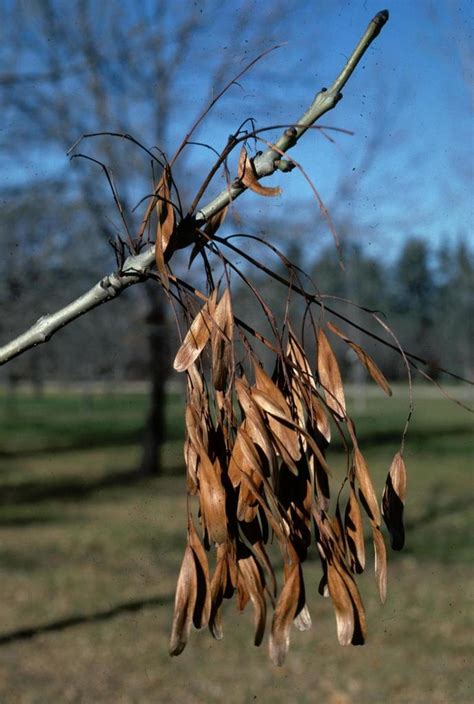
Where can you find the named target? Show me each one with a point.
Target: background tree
(74, 69)
(70, 70)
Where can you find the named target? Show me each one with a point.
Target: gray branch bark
(136, 267)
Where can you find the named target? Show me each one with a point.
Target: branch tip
(379, 20)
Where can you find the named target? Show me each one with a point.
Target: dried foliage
(257, 475)
(261, 493)
(255, 453)
(260, 487)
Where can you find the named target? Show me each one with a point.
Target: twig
(135, 267)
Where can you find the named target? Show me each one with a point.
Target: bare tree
(76, 69)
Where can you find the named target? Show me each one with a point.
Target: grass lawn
(89, 558)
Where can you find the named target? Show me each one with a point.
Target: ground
(89, 558)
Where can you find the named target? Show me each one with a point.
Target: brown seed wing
(215, 221)
(247, 175)
(360, 629)
(380, 562)
(284, 615)
(165, 223)
(330, 376)
(393, 500)
(196, 337)
(343, 607)
(185, 601)
(221, 336)
(320, 417)
(191, 461)
(354, 530)
(264, 383)
(164, 209)
(250, 575)
(366, 488)
(366, 359)
(212, 498)
(270, 400)
(218, 586)
(202, 608)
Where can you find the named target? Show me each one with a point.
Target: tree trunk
(154, 432)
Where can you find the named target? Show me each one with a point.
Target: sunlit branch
(136, 267)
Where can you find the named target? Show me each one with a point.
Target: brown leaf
(202, 608)
(251, 459)
(256, 427)
(195, 384)
(350, 613)
(197, 336)
(303, 620)
(217, 593)
(215, 221)
(210, 229)
(264, 562)
(366, 488)
(165, 223)
(250, 465)
(360, 629)
(185, 601)
(342, 605)
(285, 439)
(297, 355)
(258, 432)
(223, 583)
(330, 376)
(251, 577)
(366, 359)
(268, 404)
(194, 428)
(269, 506)
(264, 383)
(221, 337)
(393, 500)
(212, 498)
(270, 399)
(354, 531)
(320, 417)
(285, 612)
(164, 209)
(246, 173)
(301, 378)
(237, 461)
(380, 562)
(191, 461)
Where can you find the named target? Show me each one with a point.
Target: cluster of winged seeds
(255, 457)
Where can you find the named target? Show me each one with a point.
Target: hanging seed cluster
(255, 453)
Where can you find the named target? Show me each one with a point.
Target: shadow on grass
(439, 505)
(27, 521)
(70, 621)
(121, 437)
(93, 440)
(424, 437)
(76, 488)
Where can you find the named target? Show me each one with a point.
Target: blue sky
(412, 95)
(410, 100)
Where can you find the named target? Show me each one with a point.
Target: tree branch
(135, 267)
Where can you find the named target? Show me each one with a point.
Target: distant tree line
(424, 294)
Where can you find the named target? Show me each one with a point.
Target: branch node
(284, 165)
(112, 285)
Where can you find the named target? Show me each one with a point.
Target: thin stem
(136, 267)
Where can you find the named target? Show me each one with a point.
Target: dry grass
(110, 551)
